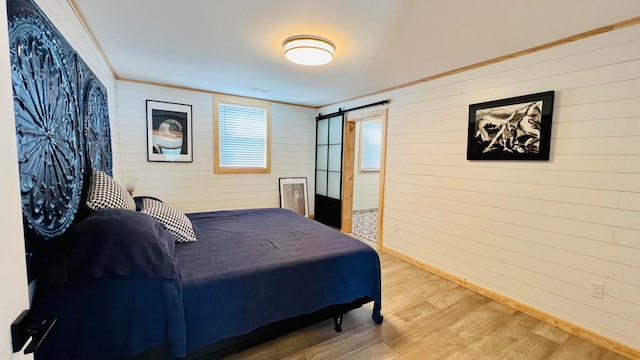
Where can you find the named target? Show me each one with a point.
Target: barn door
(328, 193)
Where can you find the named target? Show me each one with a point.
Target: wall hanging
(517, 128)
(293, 195)
(62, 122)
(169, 132)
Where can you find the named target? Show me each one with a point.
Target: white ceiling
(235, 46)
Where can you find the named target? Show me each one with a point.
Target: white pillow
(105, 193)
(173, 219)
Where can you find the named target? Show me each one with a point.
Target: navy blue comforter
(269, 264)
(248, 268)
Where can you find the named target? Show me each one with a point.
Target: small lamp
(130, 184)
(308, 50)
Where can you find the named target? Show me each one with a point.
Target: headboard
(62, 123)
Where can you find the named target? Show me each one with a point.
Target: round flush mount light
(308, 50)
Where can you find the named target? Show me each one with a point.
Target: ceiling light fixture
(308, 50)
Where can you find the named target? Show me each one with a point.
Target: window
(370, 145)
(241, 135)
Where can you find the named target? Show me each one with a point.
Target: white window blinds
(371, 141)
(242, 136)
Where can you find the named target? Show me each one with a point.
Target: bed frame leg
(377, 317)
(337, 321)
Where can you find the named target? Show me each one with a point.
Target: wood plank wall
(193, 186)
(536, 233)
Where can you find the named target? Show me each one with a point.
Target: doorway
(363, 175)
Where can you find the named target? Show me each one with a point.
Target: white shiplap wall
(194, 187)
(536, 232)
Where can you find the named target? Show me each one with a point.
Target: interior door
(328, 193)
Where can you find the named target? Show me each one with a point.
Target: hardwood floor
(427, 317)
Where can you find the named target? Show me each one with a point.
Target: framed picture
(169, 132)
(293, 195)
(517, 128)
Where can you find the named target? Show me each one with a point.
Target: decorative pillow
(105, 193)
(138, 200)
(114, 242)
(173, 219)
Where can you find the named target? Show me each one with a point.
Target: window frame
(245, 102)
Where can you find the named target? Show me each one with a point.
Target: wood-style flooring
(427, 317)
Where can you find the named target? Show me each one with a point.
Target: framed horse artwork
(517, 128)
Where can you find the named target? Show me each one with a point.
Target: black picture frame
(169, 132)
(516, 128)
(293, 195)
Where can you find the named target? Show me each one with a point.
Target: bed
(136, 278)
(247, 269)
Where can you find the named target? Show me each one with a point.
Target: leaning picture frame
(516, 128)
(293, 195)
(169, 134)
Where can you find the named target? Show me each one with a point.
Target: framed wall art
(169, 134)
(517, 128)
(293, 195)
